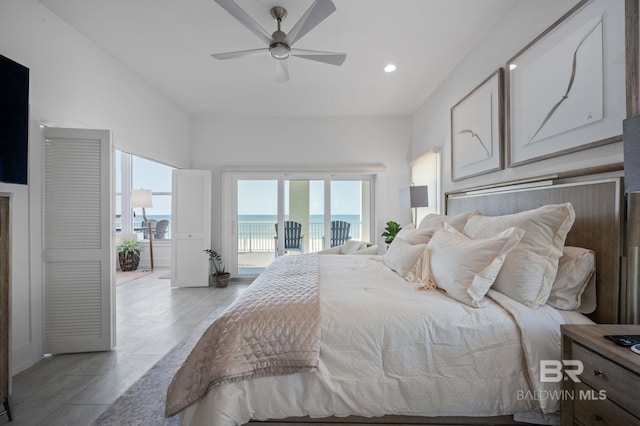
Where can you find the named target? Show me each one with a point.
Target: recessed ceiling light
(389, 68)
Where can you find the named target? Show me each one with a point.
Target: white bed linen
(390, 349)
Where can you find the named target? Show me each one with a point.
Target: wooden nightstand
(609, 386)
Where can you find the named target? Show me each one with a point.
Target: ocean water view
(256, 232)
(314, 218)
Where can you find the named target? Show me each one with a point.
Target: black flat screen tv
(14, 121)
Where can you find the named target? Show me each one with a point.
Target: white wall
(431, 123)
(258, 141)
(73, 84)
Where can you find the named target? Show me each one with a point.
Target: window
(311, 203)
(136, 172)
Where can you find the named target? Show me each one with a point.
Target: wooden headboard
(598, 226)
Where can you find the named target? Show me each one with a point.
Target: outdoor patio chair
(339, 232)
(145, 227)
(160, 233)
(292, 236)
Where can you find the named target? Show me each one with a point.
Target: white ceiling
(169, 42)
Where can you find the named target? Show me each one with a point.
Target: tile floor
(152, 318)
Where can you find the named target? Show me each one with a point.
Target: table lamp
(419, 197)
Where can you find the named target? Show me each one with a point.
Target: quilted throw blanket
(273, 328)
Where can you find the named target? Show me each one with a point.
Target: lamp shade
(141, 198)
(419, 196)
(631, 136)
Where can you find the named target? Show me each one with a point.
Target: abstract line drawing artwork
(572, 78)
(476, 136)
(566, 89)
(473, 113)
(476, 130)
(578, 60)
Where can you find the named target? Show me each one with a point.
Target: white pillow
(421, 272)
(576, 273)
(466, 268)
(529, 270)
(401, 256)
(416, 236)
(373, 249)
(352, 246)
(435, 221)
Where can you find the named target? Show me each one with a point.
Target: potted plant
(218, 276)
(129, 255)
(390, 231)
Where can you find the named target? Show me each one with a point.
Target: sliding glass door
(350, 211)
(282, 215)
(257, 216)
(304, 208)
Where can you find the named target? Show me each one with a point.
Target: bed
(390, 349)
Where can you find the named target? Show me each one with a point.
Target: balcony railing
(256, 237)
(138, 228)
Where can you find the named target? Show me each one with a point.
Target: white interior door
(191, 229)
(78, 225)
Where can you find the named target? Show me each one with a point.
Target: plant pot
(128, 262)
(219, 280)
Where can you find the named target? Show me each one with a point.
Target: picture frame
(477, 135)
(565, 91)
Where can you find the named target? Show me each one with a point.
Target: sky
(260, 197)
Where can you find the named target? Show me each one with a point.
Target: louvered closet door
(78, 224)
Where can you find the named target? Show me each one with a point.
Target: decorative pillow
(588, 303)
(402, 256)
(435, 221)
(466, 268)
(529, 270)
(421, 272)
(373, 249)
(576, 271)
(352, 246)
(416, 236)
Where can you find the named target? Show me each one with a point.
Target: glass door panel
(304, 206)
(257, 218)
(350, 211)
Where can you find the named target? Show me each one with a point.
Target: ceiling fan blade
(332, 58)
(316, 13)
(241, 53)
(246, 20)
(282, 71)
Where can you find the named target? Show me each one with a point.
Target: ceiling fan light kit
(279, 51)
(280, 43)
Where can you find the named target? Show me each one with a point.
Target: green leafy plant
(390, 231)
(129, 255)
(130, 247)
(216, 261)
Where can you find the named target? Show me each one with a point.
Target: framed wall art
(566, 89)
(477, 130)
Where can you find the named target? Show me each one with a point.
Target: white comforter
(388, 348)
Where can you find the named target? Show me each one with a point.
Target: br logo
(552, 370)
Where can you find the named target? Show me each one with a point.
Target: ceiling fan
(279, 43)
